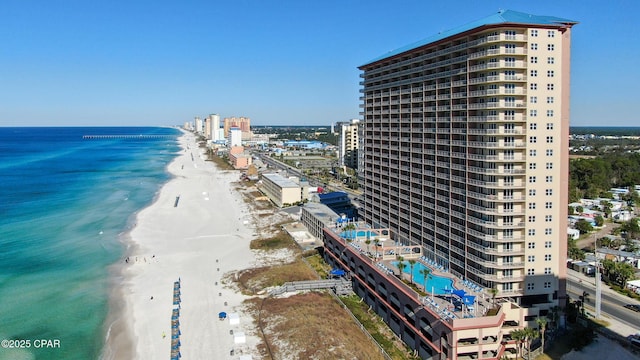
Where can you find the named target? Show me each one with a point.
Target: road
(612, 303)
(588, 242)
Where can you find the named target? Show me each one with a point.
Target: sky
(140, 62)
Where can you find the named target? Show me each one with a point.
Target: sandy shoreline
(197, 230)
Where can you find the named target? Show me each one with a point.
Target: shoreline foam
(205, 236)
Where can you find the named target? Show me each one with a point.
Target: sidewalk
(615, 326)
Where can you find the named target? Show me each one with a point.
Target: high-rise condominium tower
(348, 143)
(465, 151)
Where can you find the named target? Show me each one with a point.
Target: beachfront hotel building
(348, 143)
(465, 151)
(280, 190)
(465, 159)
(243, 123)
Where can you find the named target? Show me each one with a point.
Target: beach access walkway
(341, 286)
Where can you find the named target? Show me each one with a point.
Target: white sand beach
(197, 230)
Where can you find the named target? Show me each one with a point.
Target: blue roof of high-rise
(501, 17)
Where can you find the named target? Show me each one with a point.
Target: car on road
(634, 307)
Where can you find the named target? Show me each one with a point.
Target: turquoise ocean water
(65, 203)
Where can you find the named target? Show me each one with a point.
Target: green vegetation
(594, 177)
(618, 272)
(376, 327)
(319, 265)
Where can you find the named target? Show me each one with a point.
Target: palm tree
(426, 273)
(583, 298)
(519, 336)
(624, 272)
(494, 292)
(376, 242)
(368, 242)
(401, 266)
(542, 323)
(412, 263)
(555, 316)
(530, 335)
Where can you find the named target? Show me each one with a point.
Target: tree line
(591, 178)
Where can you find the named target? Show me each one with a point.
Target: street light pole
(598, 282)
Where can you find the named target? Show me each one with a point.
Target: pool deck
(441, 303)
(384, 256)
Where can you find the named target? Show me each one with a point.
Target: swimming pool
(352, 234)
(437, 284)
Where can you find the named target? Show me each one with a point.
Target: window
(507, 287)
(550, 47)
(547, 257)
(549, 126)
(549, 139)
(549, 99)
(507, 273)
(547, 271)
(548, 205)
(533, 99)
(547, 231)
(547, 284)
(548, 192)
(532, 219)
(533, 73)
(550, 73)
(550, 60)
(548, 179)
(529, 286)
(532, 152)
(549, 166)
(532, 179)
(551, 33)
(533, 126)
(533, 86)
(532, 206)
(549, 152)
(549, 86)
(531, 258)
(510, 89)
(534, 46)
(534, 33)
(532, 192)
(549, 113)
(533, 113)
(531, 232)
(531, 245)
(508, 155)
(509, 115)
(548, 218)
(533, 139)
(532, 166)
(534, 59)
(531, 272)
(547, 244)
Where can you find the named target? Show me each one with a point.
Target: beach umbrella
(222, 315)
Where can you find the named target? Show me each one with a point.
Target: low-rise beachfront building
(280, 190)
(437, 326)
(315, 216)
(238, 158)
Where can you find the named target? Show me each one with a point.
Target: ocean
(66, 203)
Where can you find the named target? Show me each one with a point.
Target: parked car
(634, 307)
